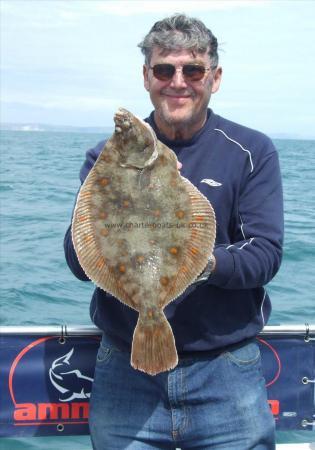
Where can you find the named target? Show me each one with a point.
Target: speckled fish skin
(142, 233)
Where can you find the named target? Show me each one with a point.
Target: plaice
(142, 233)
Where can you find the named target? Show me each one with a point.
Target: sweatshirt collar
(209, 124)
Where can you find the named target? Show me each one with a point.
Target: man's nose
(178, 79)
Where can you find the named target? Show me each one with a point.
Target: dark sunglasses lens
(194, 72)
(163, 72)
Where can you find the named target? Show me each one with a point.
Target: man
(216, 397)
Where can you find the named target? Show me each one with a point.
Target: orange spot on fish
(184, 269)
(103, 215)
(173, 250)
(164, 281)
(104, 181)
(194, 250)
(82, 218)
(122, 268)
(104, 232)
(180, 214)
(88, 238)
(199, 218)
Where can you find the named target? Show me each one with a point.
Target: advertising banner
(45, 382)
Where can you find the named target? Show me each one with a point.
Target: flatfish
(142, 233)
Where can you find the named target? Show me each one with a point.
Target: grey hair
(180, 32)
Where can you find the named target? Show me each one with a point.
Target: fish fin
(153, 346)
(88, 247)
(200, 243)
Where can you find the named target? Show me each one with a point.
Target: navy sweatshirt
(237, 169)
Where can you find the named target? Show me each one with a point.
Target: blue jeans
(210, 402)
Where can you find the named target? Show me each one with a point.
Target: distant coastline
(40, 127)
(53, 128)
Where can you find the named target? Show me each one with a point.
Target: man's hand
(204, 276)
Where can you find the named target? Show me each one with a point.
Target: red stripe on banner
(277, 359)
(17, 360)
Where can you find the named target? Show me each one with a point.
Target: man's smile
(176, 95)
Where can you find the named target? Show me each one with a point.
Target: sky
(75, 62)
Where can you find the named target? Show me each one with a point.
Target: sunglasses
(191, 72)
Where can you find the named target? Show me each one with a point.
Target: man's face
(180, 104)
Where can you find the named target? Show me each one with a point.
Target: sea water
(38, 183)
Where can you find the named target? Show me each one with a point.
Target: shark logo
(62, 379)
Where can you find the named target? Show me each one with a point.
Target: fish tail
(153, 347)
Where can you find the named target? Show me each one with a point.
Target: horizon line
(46, 127)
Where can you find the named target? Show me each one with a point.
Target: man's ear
(146, 77)
(216, 79)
